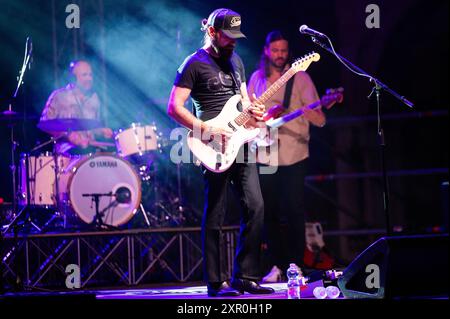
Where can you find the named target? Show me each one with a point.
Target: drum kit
(101, 190)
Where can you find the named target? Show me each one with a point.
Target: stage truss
(109, 258)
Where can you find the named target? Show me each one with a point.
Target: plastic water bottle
(320, 293)
(333, 292)
(293, 284)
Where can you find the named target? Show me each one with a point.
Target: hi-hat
(69, 124)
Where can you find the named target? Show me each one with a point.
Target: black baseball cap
(228, 21)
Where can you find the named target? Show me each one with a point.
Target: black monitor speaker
(399, 267)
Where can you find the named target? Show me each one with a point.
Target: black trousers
(244, 179)
(283, 194)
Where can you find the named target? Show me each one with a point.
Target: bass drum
(109, 178)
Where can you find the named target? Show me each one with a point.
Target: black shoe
(222, 289)
(250, 286)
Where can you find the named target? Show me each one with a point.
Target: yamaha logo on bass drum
(101, 164)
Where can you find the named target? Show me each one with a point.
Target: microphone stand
(97, 222)
(378, 87)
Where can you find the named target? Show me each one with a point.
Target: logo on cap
(235, 21)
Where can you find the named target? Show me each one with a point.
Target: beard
(279, 63)
(225, 53)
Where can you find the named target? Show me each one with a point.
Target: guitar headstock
(303, 63)
(331, 97)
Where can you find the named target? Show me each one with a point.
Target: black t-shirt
(211, 80)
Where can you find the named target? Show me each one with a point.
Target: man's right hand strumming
(216, 131)
(216, 135)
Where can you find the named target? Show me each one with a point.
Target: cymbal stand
(56, 170)
(146, 175)
(14, 144)
(13, 167)
(180, 207)
(144, 213)
(168, 205)
(28, 54)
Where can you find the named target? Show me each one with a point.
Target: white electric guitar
(218, 155)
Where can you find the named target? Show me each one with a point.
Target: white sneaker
(273, 276)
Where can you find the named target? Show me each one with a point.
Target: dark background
(136, 47)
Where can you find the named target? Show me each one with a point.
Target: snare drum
(100, 174)
(41, 170)
(136, 140)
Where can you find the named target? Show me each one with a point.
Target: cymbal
(13, 116)
(69, 124)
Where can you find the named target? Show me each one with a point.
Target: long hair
(264, 65)
(206, 36)
(264, 60)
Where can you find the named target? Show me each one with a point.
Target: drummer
(77, 100)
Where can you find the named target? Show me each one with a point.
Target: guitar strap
(288, 92)
(236, 86)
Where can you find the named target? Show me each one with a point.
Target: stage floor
(186, 291)
(197, 291)
(176, 292)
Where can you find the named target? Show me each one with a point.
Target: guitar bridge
(218, 161)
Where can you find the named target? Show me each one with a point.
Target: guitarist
(211, 76)
(283, 190)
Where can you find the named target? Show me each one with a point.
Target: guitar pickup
(232, 127)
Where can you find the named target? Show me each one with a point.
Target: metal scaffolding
(109, 258)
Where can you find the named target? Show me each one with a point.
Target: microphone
(306, 30)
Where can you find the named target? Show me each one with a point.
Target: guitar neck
(276, 86)
(274, 123)
(245, 115)
(300, 112)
